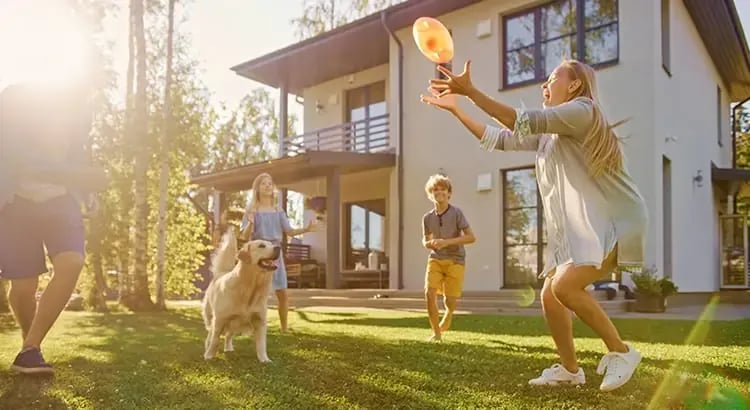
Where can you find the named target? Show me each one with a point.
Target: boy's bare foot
(435, 338)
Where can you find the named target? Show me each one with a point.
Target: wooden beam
(283, 117)
(333, 229)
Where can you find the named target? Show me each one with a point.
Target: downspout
(400, 150)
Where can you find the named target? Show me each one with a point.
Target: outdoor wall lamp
(698, 178)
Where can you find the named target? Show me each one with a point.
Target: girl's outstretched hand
(446, 102)
(455, 84)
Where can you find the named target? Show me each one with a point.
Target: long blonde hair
(254, 202)
(601, 147)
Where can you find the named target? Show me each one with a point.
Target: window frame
(666, 37)
(580, 40)
(367, 206)
(540, 244)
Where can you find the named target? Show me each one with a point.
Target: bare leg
(450, 307)
(22, 298)
(568, 286)
(560, 325)
(283, 299)
(67, 267)
(433, 313)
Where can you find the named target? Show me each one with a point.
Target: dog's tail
(225, 258)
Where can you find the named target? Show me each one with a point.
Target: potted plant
(651, 292)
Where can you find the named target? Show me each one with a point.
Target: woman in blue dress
(264, 219)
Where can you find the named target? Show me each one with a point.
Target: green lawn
(367, 360)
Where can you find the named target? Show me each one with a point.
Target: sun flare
(40, 43)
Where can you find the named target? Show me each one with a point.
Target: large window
(365, 107)
(365, 230)
(536, 40)
(524, 237)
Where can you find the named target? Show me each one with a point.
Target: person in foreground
(264, 219)
(595, 217)
(445, 231)
(43, 176)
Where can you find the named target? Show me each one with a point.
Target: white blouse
(585, 216)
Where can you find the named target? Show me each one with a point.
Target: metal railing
(365, 136)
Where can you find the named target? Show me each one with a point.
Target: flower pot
(649, 303)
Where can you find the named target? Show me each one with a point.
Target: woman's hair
(254, 202)
(601, 147)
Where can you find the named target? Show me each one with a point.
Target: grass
(368, 359)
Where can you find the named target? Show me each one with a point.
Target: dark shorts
(27, 227)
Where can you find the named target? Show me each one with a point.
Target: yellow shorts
(446, 276)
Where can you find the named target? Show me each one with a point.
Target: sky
(223, 33)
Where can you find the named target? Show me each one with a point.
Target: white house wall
(433, 140)
(686, 110)
(682, 106)
(332, 97)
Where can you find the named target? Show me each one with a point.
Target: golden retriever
(236, 301)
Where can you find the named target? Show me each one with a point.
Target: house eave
(721, 30)
(331, 54)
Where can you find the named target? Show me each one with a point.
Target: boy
(445, 231)
(43, 173)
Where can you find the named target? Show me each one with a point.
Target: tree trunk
(124, 281)
(164, 177)
(141, 296)
(96, 298)
(4, 308)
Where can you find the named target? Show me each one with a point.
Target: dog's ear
(244, 254)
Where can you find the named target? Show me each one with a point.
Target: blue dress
(271, 226)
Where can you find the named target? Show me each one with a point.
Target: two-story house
(674, 67)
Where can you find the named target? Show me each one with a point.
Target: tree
(4, 308)
(164, 175)
(741, 126)
(249, 134)
(141, 297)
(319, 16)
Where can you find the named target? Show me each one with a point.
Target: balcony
(368, 136)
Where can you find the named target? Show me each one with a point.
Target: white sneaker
(556, 375)
(618, 368)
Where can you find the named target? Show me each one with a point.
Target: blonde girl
(596, 218)
(264, 219)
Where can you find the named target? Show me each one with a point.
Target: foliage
(200, 139)
(319, 16)
(647, 283)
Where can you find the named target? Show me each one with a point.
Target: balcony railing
(365, 136)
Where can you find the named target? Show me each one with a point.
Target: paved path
(694, 312)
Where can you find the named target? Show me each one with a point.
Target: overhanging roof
(288, 170)
(732, 180)
(332, 54)
(720, 28)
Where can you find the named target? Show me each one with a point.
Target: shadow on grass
(154, 360)
(674, 332)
